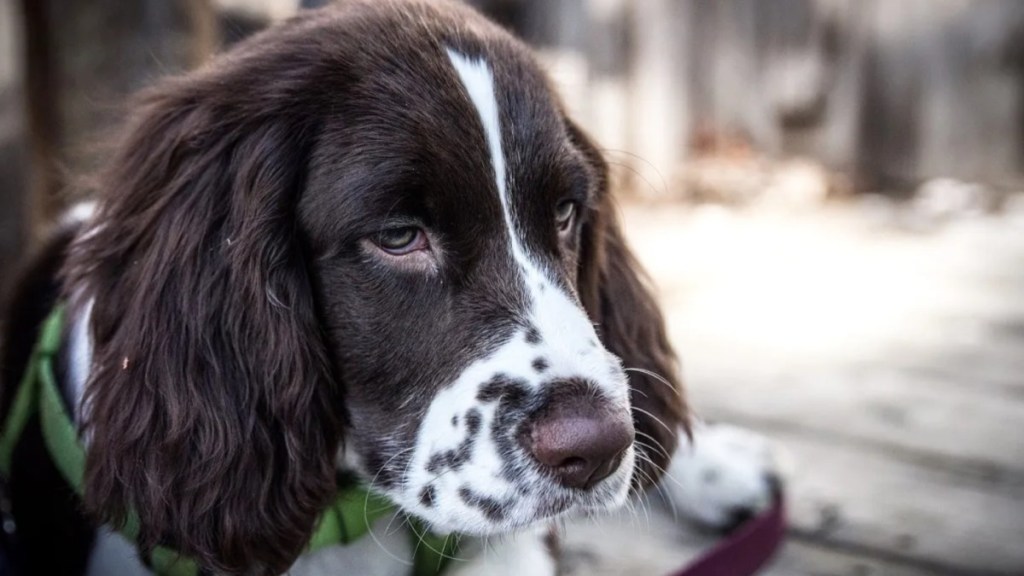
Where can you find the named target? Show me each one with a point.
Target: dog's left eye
(565, 212)
(403, 240)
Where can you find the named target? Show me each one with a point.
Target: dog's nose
(580, 440)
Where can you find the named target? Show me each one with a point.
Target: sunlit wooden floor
(886, 365)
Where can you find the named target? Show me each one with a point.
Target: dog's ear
(211, 411)
(616, 294)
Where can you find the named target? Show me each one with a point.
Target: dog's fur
(237, 334)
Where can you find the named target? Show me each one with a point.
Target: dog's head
(371, 231)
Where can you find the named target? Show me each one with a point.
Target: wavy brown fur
(214, 414)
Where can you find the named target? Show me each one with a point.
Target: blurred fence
(67, 68)
(887, 92)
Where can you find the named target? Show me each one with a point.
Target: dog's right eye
(565, 213)
(403, 240)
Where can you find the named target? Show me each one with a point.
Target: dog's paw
(725, 476)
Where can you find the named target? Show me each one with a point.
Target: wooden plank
(647, 539)
(887, 366)
(849, 508)
(642, 539)
(862, 500)
(852, 512)
(799, 558)
(962, 432)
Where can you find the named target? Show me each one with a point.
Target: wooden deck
(886, 365)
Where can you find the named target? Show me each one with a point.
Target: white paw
(724, 477)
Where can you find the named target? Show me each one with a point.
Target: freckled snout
(578, 437)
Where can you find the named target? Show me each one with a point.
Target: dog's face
(373, 233)
(445, 214)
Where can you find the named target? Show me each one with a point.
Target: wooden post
(660, 107)
(83, 61)
(13, 148)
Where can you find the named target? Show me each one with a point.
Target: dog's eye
(402, 240)
(564, 214)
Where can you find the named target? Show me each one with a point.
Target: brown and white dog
(367, 240)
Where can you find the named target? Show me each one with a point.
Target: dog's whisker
(421, 541)
(488, 546)
(641, 494)
(665, 474)
(650, 481)
(405, 474)
(643, 476)
(636, 508)
(377, 541)
(657, 377)
(660, 486)
(373, 481)
(366, 504)
(655, 418)
(633, 513)
(609, 151)
(657, 445)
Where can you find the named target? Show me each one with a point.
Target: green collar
(348, 519)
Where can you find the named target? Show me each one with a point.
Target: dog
(366, 243)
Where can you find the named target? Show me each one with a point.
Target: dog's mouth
(474, 503)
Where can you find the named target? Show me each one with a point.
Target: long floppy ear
(615, 292)
(211, 410)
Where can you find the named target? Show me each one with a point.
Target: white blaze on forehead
(477, 78)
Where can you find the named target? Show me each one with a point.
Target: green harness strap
(346, 520)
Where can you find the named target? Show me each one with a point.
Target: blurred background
(829, 195)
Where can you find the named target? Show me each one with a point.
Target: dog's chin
(537, 505)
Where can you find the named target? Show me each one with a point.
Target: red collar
(746, 550)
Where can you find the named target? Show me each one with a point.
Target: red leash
(746, 550)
